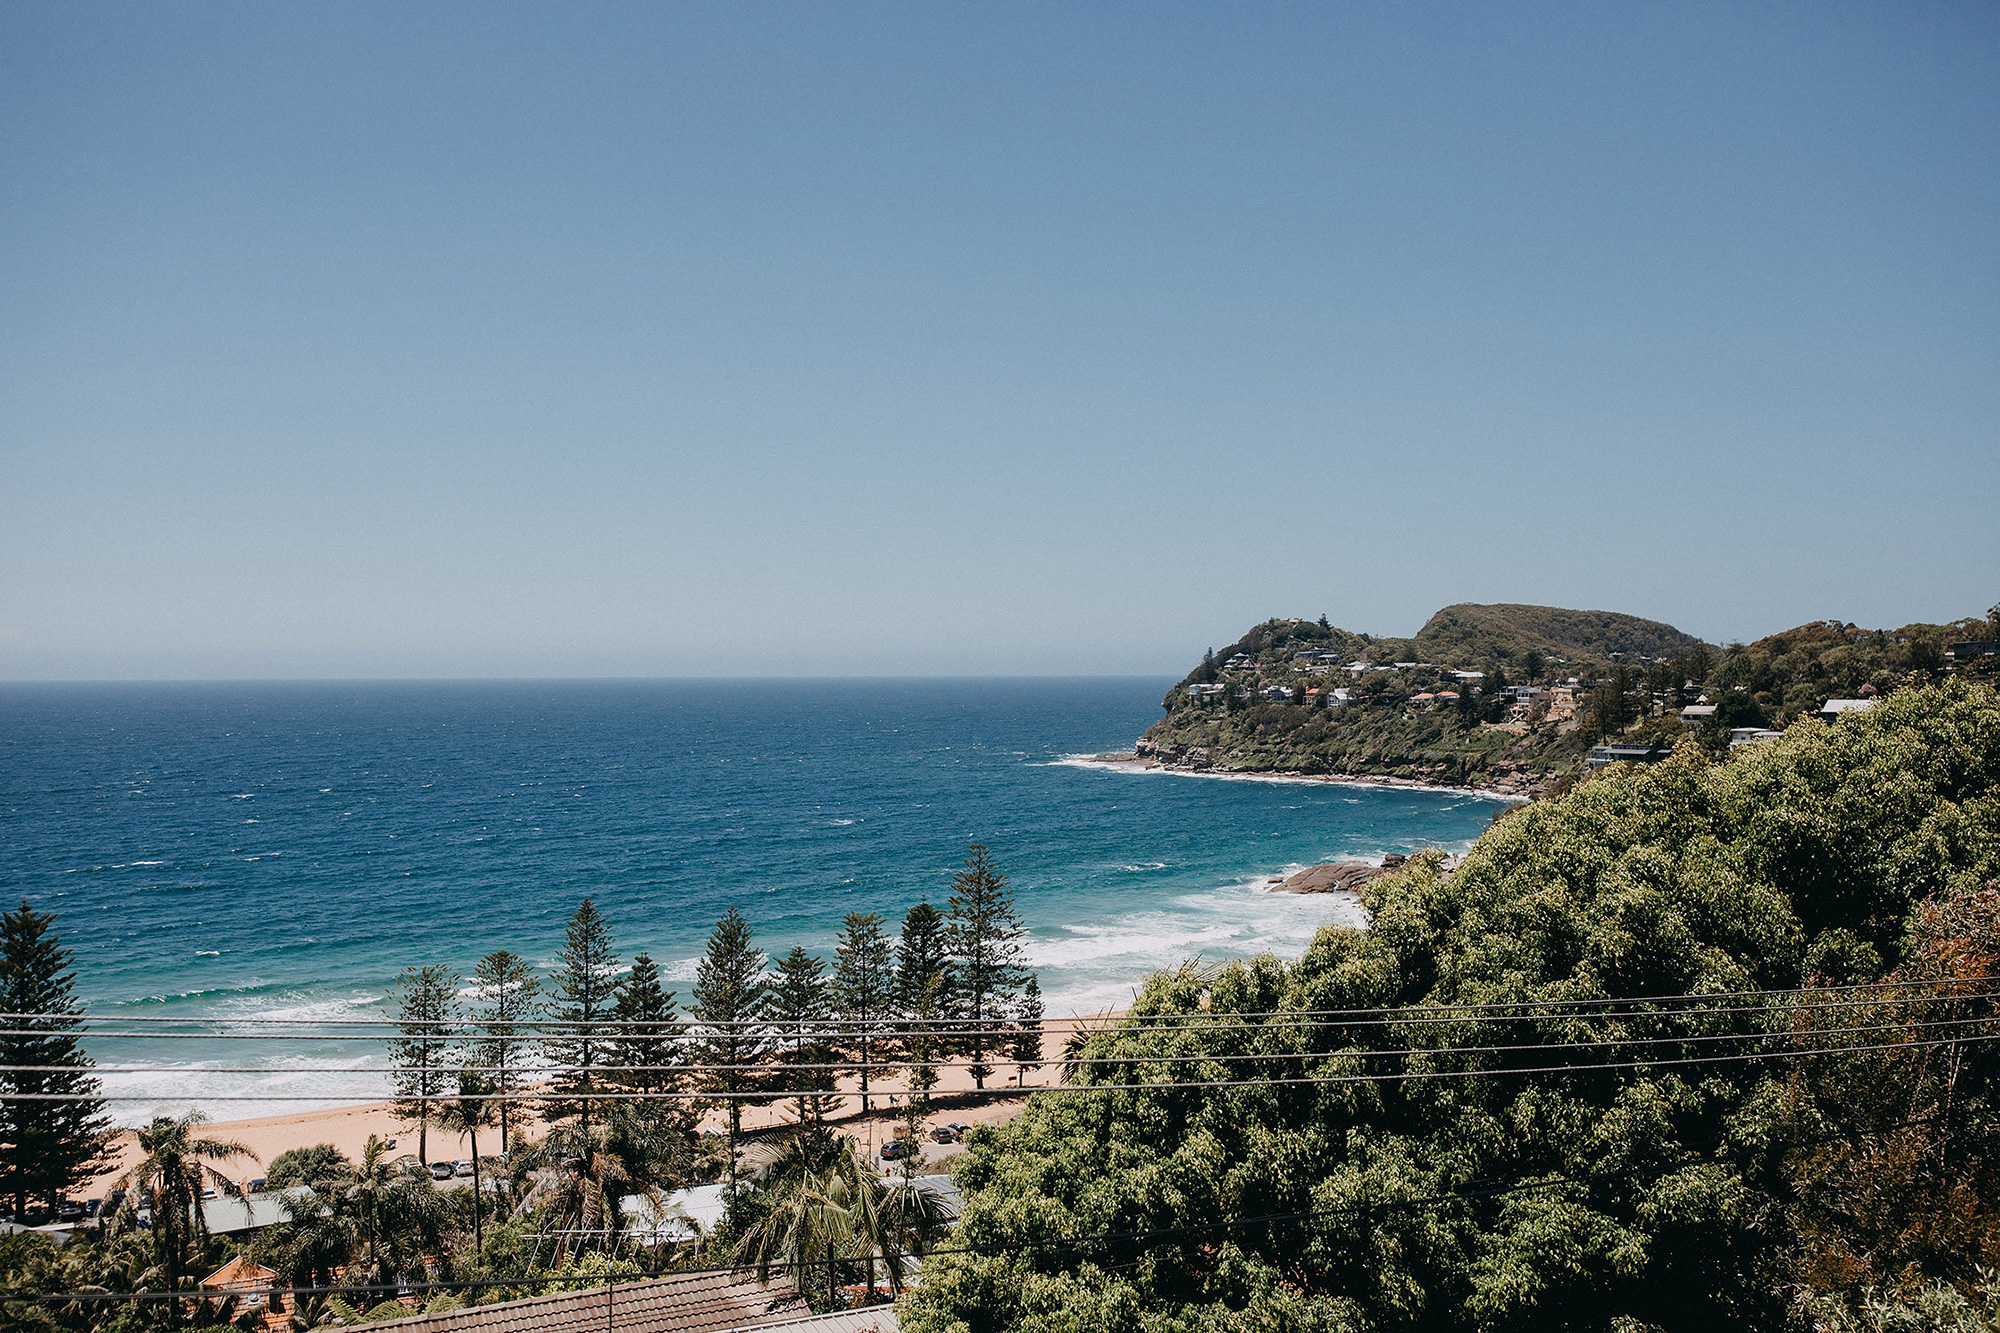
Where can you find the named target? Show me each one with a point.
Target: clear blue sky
(820, 339)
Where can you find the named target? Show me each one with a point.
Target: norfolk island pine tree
(49, 1146)
(509, 996)
(584, 995)
(864, 985)
(426, 1004)
(983, 933)
(728, 999)
(923, 992)
(797, 1006)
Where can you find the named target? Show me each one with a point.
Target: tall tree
(728, 1001)
(585, 992)
(925, 1038)
(46, 1147)
(426, 1011)
(647, 1055)
(983, 933)
(797, 1006)
(394, 1207)
(648, 1139)
(467, 1113)
(175, 1165)
(1027, 1043)
(864, 989)
(923, 992)
(508, 997)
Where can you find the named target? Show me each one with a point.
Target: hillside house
(1696, 715)
(1600, 755)
(1833, 708)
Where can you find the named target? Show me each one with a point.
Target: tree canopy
(1441, 1190)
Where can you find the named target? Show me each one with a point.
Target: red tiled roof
(239, 1272)
(686, 1303)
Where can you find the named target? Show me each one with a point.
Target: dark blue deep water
(286, 849)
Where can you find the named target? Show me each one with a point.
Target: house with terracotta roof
(241, 1275)
(679, 1303)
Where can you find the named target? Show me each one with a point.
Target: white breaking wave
(1089, 968)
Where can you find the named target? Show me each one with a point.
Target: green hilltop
(1507, 632)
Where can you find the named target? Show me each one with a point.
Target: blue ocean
(248, 851)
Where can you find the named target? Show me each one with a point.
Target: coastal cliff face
(1510, 698)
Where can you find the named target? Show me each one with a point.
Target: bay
(285, 850)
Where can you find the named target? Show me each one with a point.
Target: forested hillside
(1363, 1150)
(1510, 697)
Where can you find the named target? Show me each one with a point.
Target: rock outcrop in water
(1337, 876)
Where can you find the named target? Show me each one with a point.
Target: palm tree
(392, 1206)
(314, 1242)
(464, 1114)
(917, 1214)
(828, 1207)
(169, 1178)
(806, 1228)
(580, 1181)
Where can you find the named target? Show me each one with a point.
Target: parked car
(69, 1210)
(892, 1150)
(943, 1134)
(462, 1168)
(441, 1170)
(256, 1185)
(958, 1128)
(93, 1207)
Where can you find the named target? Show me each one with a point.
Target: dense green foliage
(1698, 1196)
(1468, 634)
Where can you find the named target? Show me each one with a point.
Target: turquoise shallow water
(249, 850)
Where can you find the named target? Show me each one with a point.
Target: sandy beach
(348, 1128)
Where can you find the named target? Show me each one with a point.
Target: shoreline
(1147, 763)
(348, 1127)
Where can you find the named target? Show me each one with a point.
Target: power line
(1403, 1076)
(1122, 1025)
(558, 1024)
(613, 1071)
